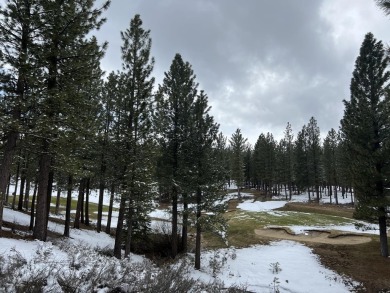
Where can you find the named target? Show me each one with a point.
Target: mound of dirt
(316, 236)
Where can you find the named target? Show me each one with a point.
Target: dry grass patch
(361, 262)
(325, 209)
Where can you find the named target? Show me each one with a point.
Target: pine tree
(270, 161)
(17, 26)
(265, 161)
(223, 158)
(314, 155)
(280, 166)
(330, 162)
(238, 144)
(66, 60)
(343, 165)
(105, 140)
(289, 153)
(366, 129)
(206, 178)
(384, 5)
(175, 100)
(248, 166)
(134, 106)
(301, 160)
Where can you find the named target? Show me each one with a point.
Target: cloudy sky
(262, 63)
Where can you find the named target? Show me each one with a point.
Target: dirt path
(313, 236)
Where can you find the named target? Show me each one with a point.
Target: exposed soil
(314, 236)
(363, 263)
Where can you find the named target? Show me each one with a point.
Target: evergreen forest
(67, 127)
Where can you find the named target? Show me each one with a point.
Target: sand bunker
(313, 236)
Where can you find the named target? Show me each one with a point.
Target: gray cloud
(262, 63)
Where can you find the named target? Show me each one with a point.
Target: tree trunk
(108, 227)
(335, 195)
(198, 229)
(82, 206)
(87, 202)
(68, 206)
(174, 223)
(16, 185)
(184, 236)
(13, 135)
(21, 193)
(7, 194)
(49, 193)
(285, 191)
(352, 201)
(79, 205)
(58, 199)
(383, 232)
(100, 205)
(119, 229)
(27, 194)
(40, 229)
(32, 213)
(129, 230)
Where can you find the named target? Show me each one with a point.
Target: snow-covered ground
(260, 206)
(286, 265)
(304, 197)
(269, 206)
(93, 195)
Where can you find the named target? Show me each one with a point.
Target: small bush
(275, 268)
(88, 270)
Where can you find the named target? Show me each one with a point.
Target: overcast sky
(262, 63)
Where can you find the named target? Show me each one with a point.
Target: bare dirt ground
(316, 236)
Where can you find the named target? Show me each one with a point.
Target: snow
(269, 206)
(93, 195)
(288, 265)
(304, 197)
(300, 271)
(87, 237)
(27, 249)
(343, 228)
(161, 214)
(260, 206)
(16, 217)
(297, 268)
(114, 218)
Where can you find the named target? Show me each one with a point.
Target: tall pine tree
(66, 60)
(366, 130)
(314, 155)
(134, 106)
(18, 22)
(175, 99)
(238, 145)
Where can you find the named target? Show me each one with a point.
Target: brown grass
(325, 209)
(362, 263)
